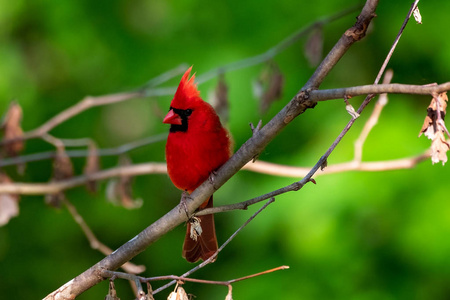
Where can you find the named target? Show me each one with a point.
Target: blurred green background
(352, 236)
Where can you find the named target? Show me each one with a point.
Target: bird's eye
(188, 112)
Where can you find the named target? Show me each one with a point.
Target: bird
(197, 145)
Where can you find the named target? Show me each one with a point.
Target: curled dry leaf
(351, 110)
(149, 291)
(229, 295)
(12, 129)
(219, 99)
(62, 165)
(269, 87)
(112, 294)
(119, 191)
(9, 203)
(314, 47)
(92, 166)
(178, 294)
(55, 200)
(434, 128)
(196, 228)
(62, 169)
(417, 15)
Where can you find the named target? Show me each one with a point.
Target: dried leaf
(92, 166)
(439, 148)
(417, 15)
(257, 88)
(149, 291)
(314, 47)
(112, 191)
(119, 191)
(219, 100)
(112, 294)
(12, 129)
(178, 294)
(55, 200)
(9, 203)
(62, 169)
(434, 128)
(62, 165)
(196, 228)
(229, 295)
(351, 110)
(271, 83)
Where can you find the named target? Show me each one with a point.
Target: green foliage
(352, 236)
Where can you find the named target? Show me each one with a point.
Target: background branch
(95, 243)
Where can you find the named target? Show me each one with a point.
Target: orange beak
(172, 118)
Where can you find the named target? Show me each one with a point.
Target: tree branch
(58, 186)
(393, 88)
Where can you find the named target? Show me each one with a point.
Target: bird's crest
(186, 90)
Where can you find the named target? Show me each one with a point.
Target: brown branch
(375, 166)
(83, 153)
(132, 277)
(58, 186)
(76, 109)
(394, 88)
(139, 279)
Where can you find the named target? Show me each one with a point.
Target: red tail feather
(206, 244)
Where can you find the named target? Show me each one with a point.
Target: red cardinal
(197, 145)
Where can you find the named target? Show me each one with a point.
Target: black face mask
(184, 114)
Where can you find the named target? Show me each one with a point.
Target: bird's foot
(255, 130)
(185, 197)
(212, 178)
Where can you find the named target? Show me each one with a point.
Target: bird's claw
(212, 177)
(183, 202)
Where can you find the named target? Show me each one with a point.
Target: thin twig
(132, 277)
(58, 186)
(394, 88)
(164, 77)
(135, 278)
(397, 39)
(212, 258)
(76, 109)
(94, 242)
(125, 148)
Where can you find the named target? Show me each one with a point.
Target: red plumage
(196, 146)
